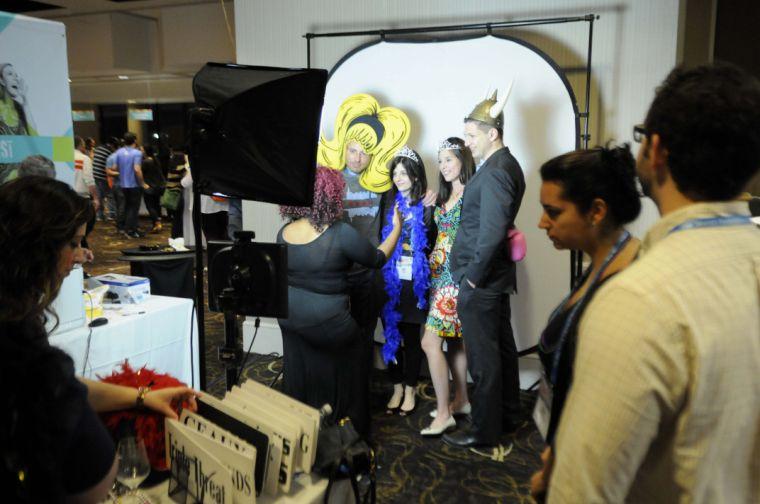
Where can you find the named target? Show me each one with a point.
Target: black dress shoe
(464, 438)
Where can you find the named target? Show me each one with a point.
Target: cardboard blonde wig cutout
(379, 131)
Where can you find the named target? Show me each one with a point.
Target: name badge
(404, 267)
(542, 412)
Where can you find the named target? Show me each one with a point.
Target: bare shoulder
(300, 232)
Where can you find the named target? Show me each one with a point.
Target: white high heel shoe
(429, 431)
(465, 410)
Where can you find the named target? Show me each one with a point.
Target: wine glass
(133, 466)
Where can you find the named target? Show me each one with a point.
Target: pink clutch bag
(518, 247)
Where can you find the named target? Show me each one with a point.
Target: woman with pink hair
(321, 341)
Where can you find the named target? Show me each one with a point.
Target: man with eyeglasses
(664, 405)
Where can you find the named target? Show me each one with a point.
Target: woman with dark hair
(455, 166)
(406, 279)
(321, 341)
(154, 178)
(588, 197)
(54, 446)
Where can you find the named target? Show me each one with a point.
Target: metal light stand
(197, 130)
(230, 354)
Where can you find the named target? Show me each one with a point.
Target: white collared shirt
(665, 400)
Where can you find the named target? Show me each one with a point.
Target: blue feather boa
(420, 272)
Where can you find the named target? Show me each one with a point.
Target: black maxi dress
(321, 341)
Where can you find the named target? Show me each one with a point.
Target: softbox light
(255, 131)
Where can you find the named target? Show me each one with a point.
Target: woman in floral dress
(456, 166)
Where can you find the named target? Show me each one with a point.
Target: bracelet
(141, 393)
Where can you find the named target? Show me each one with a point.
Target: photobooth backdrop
(437, 84)
(37, 50)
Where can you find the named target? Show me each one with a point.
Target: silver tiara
(408, 153)
(446, 145)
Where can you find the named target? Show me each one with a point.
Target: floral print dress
(442, 317)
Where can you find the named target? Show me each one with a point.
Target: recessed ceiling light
(123, 77)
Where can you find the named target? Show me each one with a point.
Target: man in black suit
(480, 262)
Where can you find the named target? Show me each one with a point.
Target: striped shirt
(99, 161)
(174, 177)
(665, 403)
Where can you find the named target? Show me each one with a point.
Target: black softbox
(255, 131)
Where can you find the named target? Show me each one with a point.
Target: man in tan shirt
(665, 401)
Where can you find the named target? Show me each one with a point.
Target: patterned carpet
(410, 468)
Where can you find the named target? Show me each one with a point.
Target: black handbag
(341, 453)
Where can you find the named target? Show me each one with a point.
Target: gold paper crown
(489, 111)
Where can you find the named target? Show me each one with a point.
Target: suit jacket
(490, 204)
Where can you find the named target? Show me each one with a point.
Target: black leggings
(408, 357)
(152, 199)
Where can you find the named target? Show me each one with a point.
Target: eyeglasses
(639, 133)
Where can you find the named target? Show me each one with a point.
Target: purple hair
(329, 188)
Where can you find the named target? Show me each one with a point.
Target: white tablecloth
(156, 334)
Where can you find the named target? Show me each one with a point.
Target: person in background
(174, 176)
(588, 196)
(188, 228)
(406, 278)
(107, 210)
(36, 164)
(89, 147)
(235, 218)
(487, 276)
(214, 213)
(84, 182)
(154, 179)
(112, 170)
(54, 446)
(456, 167)
(664, 402)
(131, 183)
(322, 342)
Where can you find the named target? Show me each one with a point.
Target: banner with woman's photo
(35, 102)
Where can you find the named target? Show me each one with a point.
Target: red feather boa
(149, 425)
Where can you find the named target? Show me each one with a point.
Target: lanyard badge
(543, 408)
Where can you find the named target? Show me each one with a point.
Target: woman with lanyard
(587, 196)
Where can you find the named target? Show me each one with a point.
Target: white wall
(634, 47)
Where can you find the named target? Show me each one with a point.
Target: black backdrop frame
(582, 139)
